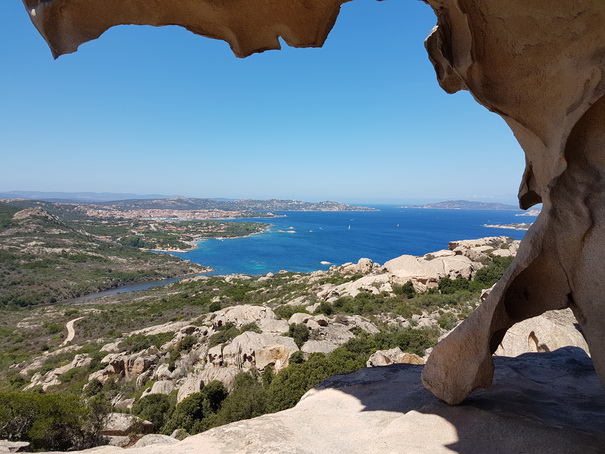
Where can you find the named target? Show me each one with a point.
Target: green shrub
(297, 357)
(285, 312)
(155, 408)
(300, 332)
(447, 321)
(324, 308)
(138, 342)
(55, 422)
(406, 290)
(186, 343)
(449, 286)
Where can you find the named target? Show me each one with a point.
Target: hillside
(183, 203)
(468, 205)
(45, 259)
(210, 350)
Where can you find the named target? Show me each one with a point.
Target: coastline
(194, 244)
(520, 226)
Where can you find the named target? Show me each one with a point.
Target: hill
(468, 205)
(45, 258)
(183, 203)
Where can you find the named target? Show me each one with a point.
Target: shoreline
(520, 226)
(194, 244)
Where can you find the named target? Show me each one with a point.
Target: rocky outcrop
(547, 403)
(539, 66)
(122, 424)
(14, 446)
(52, 378)
(393, 356)
(462, 258)
(245, 314)
(125, 365)
(248, 27)
(154, 440)
(258, 350)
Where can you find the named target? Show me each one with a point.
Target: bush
(226, 333)
(51, 421)
(297, 357)
(285, 312)
(300, 332)
(325, 308)
(448, 286)
(155, 408)
(189, 415)
(186, 343)
(138, 342)
(406, 290)
(447, 321)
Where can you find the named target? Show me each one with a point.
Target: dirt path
(71, 332)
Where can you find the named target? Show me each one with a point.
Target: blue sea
(301, 241)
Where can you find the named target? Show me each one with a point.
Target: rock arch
(537, 63)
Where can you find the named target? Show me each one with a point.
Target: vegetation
(44, 259)
(51, 421)
(28, 332)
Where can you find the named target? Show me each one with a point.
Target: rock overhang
(537, 64)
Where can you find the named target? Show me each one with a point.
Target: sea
(305, 241)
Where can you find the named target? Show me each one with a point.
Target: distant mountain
(76, 197)
(183, 203)
(468, 205)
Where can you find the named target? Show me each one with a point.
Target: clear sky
(160, 110)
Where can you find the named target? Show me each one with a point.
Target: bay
(301, 241)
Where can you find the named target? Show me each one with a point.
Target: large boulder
(123, 424)
(251, 349)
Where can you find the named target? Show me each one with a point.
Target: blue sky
(160, 110)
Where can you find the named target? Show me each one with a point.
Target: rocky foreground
(539, 403)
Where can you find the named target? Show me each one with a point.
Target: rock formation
(544, 403)
(538, 64)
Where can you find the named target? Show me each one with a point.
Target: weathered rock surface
(538, 65)
(258, 350)
(154, 440)
(393, 356)
(122, 424)
(547, 332)
(248, 27)
(541, 403)
(14, 446)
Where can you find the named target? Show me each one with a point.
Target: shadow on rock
(538, 403)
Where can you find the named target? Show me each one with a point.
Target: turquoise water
(300, 241)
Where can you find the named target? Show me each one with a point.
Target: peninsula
(467, 205)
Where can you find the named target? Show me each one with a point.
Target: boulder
(431, 267)
(123, 424)
(547, 332)
(160, 387)
(393, 356)
(14, 446)
(154, 440)
(195, 382)
(258, 350)
(242, 315)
